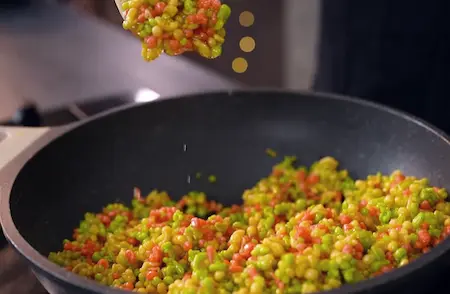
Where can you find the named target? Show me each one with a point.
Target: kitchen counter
(54, 56)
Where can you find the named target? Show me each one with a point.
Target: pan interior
(163, 145)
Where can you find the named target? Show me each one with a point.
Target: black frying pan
(89, 165)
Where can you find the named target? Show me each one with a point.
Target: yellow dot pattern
(240, 65)
(247, 44)
(246, 19)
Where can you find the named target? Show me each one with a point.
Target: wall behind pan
(285, 32)
(301, 29)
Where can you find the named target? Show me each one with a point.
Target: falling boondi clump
(177, 26)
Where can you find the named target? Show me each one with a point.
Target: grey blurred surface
(15, 277)
(285, 32)
(53, 55)
(301, 31)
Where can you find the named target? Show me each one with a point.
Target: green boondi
(300, 230)
(212, 179)
(271, 152)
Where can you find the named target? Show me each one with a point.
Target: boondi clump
(300, 230)
(177, 26)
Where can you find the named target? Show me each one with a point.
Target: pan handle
(14, 140)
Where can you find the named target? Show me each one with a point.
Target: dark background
(285, 32)
(265, 62)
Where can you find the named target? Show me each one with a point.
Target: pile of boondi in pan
(298, 231)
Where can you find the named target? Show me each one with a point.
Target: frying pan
(68, 171)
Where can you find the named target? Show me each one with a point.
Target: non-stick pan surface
(163, 144)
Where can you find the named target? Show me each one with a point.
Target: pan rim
(41, 263)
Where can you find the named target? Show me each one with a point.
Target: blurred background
(289, 51)
(74, 52)
(66, 60)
